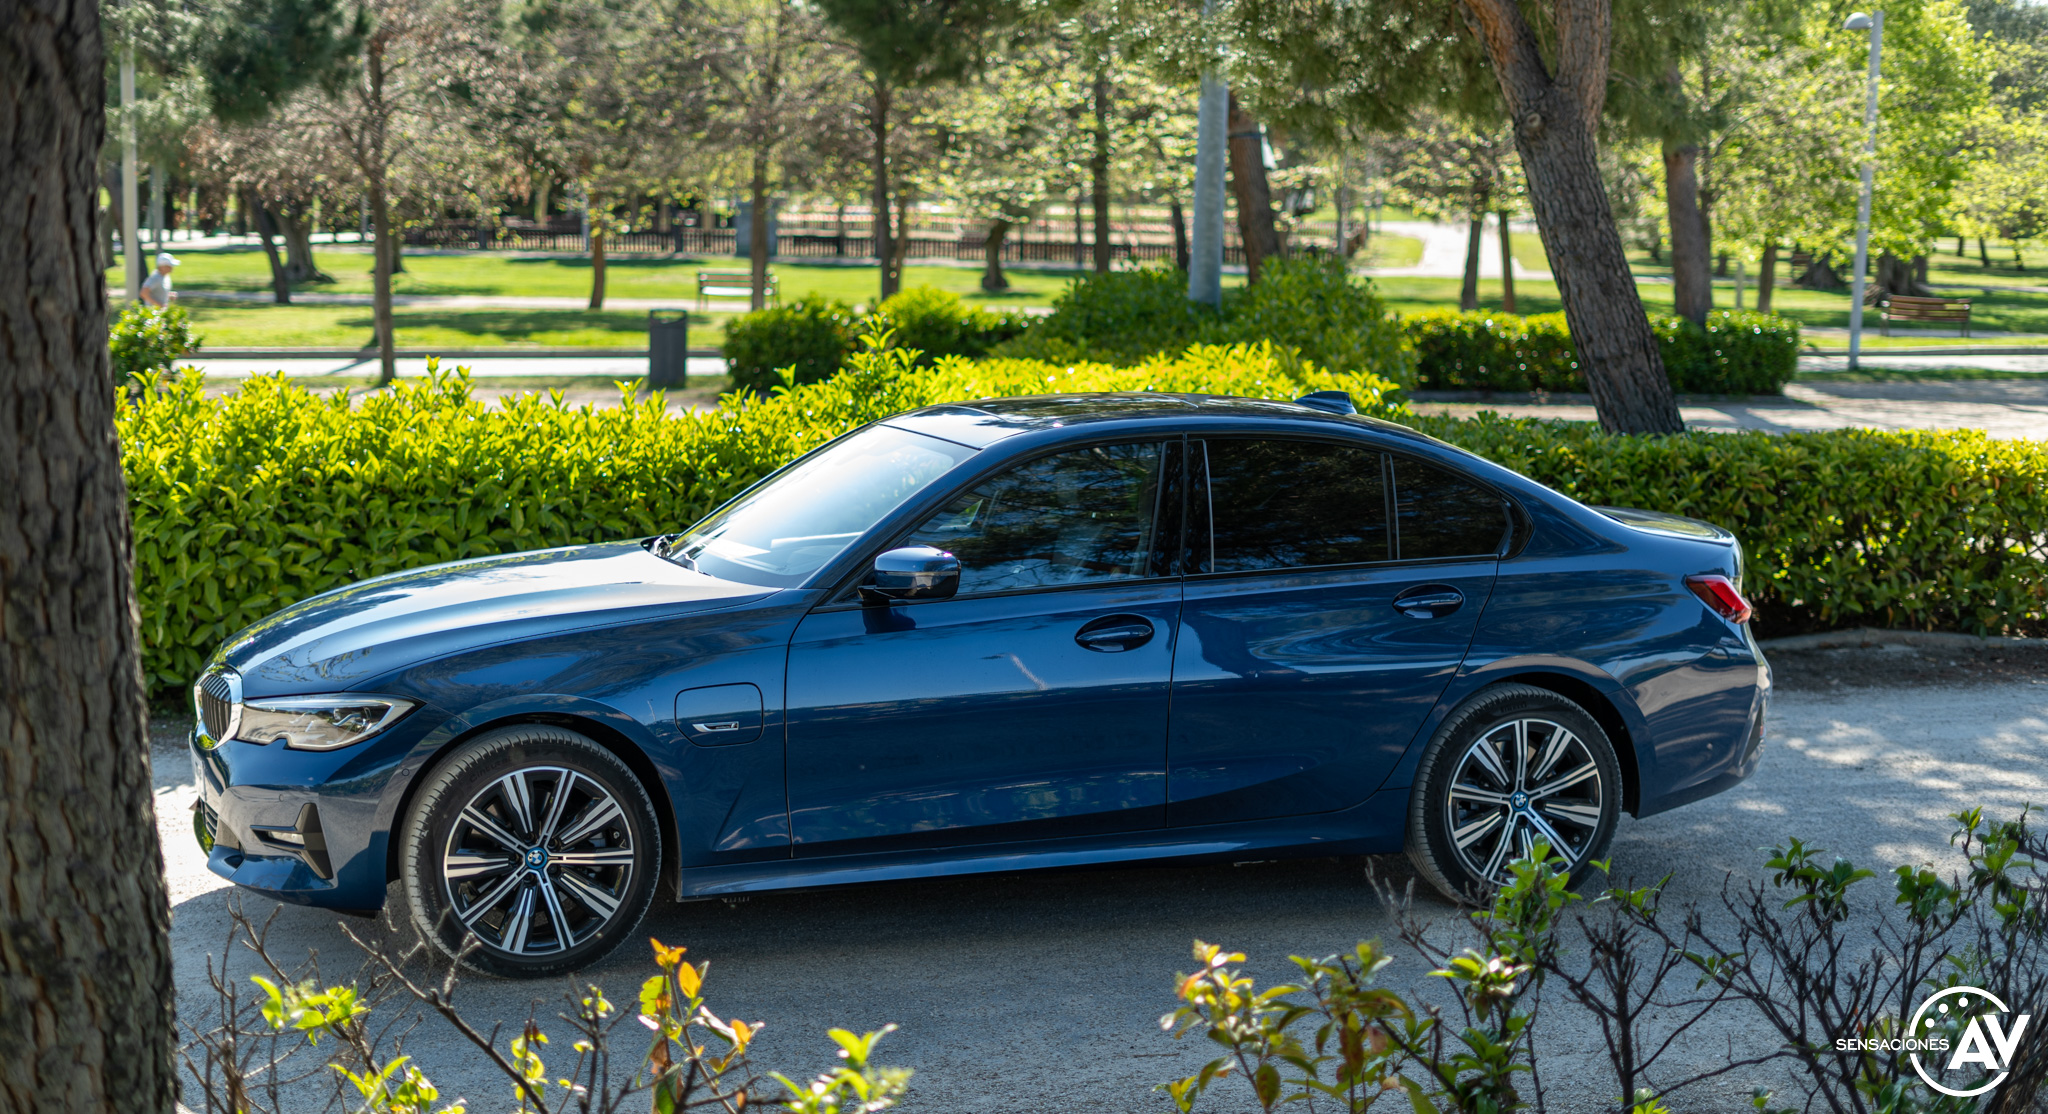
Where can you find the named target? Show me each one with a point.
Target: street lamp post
(1874, 23)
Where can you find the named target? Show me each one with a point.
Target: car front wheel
(530, 851)
(1513, 766)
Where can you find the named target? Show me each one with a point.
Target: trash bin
(668, 349)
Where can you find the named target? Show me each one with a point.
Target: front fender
(518, 708)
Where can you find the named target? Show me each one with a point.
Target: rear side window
(1444, 515)
(1294, 504)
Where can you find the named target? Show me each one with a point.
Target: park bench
(738, 284)
(1900, 307)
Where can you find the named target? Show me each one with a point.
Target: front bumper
(298, 826)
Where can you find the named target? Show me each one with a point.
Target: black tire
(1566, 783)
(578, 877)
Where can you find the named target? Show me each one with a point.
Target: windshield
(788, 528)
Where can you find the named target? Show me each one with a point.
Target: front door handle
(1113, 634)
(1430, 601)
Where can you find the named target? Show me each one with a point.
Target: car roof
(984, 422)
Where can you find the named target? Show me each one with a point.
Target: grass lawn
(245, 269)
(222, 324)
(1390, 251)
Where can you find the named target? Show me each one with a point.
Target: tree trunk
(86, 995)
(1895, 276)
(298, 245)
(597, 266)
(1959, 245)
(758, 245)
(380, 283)
(1920, 269)
(1179, 217)
(540, 202)
(1255, 228)
(992, 279)
(885, 247)
(266, 231)
(112, 181)
(1098, 173)
(1766, 274)
(1468, 293)
(1555, 120)
(2019, 262)
(1507, 266)
(1692, 284)
(902, 239)
(1982, 253)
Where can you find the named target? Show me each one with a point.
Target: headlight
(319, 722)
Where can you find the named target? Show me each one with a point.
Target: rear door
(1335, 591)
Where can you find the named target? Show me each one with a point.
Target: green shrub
(1844, 528)
(146, 339)
(1491, 351)
(1312, 306)
(1735, 353)
(1306, 304)
(251, 501)
(810, 338)
(939, 324)
(1120, 317)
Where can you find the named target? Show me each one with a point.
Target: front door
(1030, 705)
(1335, 601)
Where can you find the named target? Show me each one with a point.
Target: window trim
(844, 596)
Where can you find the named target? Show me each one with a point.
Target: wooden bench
(733, 284)
(1900, 307)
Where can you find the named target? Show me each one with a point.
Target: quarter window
(1443, 515)
(1294, 504)
(1070, 518)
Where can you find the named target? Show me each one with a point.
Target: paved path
(2002, 408)
(1042, 991)
(1443, 250)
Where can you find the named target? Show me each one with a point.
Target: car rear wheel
(530, 851)
(1513, 766)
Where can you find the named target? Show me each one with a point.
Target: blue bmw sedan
(1029, 632)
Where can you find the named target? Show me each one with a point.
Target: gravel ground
(1042, 991)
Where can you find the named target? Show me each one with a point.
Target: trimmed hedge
(1309, 305)
(813, 339)
(1735, 353)
(251, 501)
(259, 498)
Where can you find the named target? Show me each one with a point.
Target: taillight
(1719, 593)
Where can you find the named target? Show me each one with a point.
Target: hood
(356, 633)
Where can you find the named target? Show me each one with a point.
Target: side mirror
(916, 572)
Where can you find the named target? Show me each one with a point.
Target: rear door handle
(1113, 634)
(1430, 601)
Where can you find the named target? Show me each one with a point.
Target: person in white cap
(156, 289)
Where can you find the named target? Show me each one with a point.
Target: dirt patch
(1821, 670)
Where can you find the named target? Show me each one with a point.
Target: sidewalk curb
(1871, 637)
(1933, 350)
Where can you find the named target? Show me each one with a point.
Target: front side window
(808, 513)
(1294, 504)
(1075, 517)
(1441, 514)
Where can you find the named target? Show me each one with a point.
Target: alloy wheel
(539, 861)
(1524, 781)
